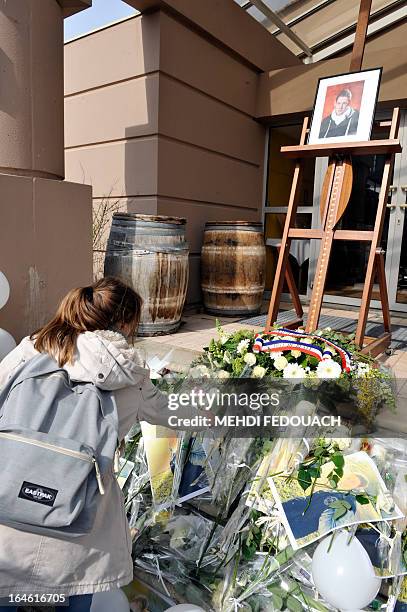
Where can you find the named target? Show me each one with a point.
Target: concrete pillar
(31, 98)
(45, 222)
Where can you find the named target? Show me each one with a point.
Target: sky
(101, 13)
(106, 11)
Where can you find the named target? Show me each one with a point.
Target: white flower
(293, 370)
(362, 369)
(250, 359)
(329, 349)
(223, 338)
(223, 374)
(328, 368)
(328, 329)
(342, 443)
(280, 363)
(258, 372)
(296, 353)
(307, 340)
(275, 354)
(243, 346)
(200, 371)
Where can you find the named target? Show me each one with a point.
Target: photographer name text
(251, 420)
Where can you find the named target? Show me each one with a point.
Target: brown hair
(107, 304)
(345, 93)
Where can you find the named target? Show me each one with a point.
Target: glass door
(396, 270)
(347, 268)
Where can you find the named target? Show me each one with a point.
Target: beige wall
(292, 91)
(45, 229)
(159, 118)
(225, 22)
(45, 247)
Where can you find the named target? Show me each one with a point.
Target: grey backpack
(57, 444)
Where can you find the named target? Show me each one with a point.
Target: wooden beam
(376, 346)
(363, 235)
(331, 208)
(316, 234)
(360, 36)
(305, 233)
(370, 147)
(294, 324)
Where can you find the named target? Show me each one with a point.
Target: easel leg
(329, 221)
(282, 262)
(377, 233)
(380, 344)
(384, 298)
(292, 288)
(285, 241)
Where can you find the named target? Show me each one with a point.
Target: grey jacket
(101, 560)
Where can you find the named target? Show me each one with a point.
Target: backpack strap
(39, 365)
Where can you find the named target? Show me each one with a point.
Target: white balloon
(344, 575)
(185, 608)
(108, 601)
(7, 343)
(4, 290)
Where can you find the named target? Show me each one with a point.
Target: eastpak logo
(38, 493)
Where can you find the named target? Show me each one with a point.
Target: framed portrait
(344, 107)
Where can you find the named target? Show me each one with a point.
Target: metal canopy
(319, 29)
(274, 18)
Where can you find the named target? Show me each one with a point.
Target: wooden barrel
(150, 253)
(233, 268)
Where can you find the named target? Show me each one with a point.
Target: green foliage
(404, 546)
(327, 451)
(304, 478)
(340, 507)
(254, 534)
(362, 499)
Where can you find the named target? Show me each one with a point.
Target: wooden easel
(334, 199)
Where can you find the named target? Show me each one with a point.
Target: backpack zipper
(63, 451)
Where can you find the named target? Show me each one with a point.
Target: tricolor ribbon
(262, 345)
